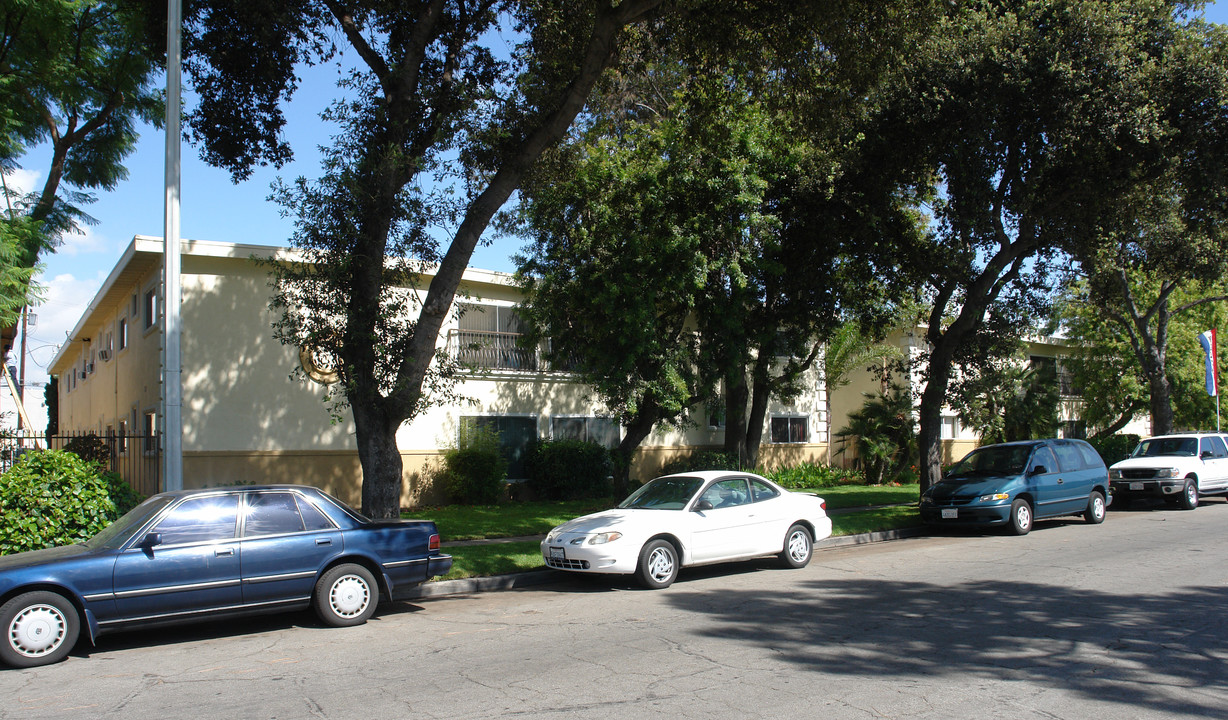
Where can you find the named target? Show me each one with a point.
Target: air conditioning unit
(105, 355)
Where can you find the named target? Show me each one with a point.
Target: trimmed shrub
(474, 472)
(53, 497)
(569, 470)
(810, 475)
(701, 460)
(90, 448)
(1114, 448)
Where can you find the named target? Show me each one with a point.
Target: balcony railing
(492, 350)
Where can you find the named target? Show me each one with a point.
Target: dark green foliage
(1114, 448)
(53, 497)
(474, 472)
(701, 460)
(886, 440)
(90, 448)
(569, 470)
(812, 475)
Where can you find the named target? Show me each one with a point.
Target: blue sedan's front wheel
(40, 628)
(346, 595)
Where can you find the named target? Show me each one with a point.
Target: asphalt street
(1121, 620)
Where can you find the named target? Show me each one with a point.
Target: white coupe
(691, 519)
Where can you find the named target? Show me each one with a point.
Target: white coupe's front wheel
(658, 565)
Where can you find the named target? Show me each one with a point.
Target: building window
(150, 430)
(516, 435)
(121, 439)
(601, 430)
(123, 333)
(790, 429)
(488, 336)
(1076, 429)
(151, 307)
(950, 427)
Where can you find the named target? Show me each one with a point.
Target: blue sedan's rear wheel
(346, 595)
(658, 565)
(798, 547)
(40, 628)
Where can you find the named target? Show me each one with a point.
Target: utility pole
(172, 392)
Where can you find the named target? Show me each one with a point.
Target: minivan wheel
(1021, 517)
(1189, 495)
(1095, 508)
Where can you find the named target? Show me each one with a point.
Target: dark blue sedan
(204, 554)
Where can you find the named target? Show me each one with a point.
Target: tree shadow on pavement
(1162, 650)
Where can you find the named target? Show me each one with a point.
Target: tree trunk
(761, 393)
(636, 432)
(736, 395)
(381, 462)
(1161, 403)
(932, 399)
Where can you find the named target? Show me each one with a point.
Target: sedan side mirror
(703, 505)
(151, 539)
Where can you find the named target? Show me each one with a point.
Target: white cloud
(85, 240)
(22, 180)
(65, 299)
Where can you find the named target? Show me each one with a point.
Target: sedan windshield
(1167, 447)
(667, 493)
(994, 461)
(114, 535)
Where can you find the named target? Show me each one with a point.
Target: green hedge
(475, 472)
(53, 497)
(569, 470)
(810, 475)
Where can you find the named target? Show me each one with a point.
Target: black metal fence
(135, 457)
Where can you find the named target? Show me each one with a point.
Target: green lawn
(518, 519)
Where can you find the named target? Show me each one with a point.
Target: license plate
(1136, 486)
(557, 553)
(950, 513)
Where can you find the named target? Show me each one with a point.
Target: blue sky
(213, 208)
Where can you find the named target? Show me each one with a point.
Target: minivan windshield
(666, 493)
(992, 461)
(1167, 447)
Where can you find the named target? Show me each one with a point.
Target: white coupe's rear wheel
(798, 547)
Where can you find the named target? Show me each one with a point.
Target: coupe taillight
(434, 543)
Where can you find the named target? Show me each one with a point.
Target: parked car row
(1014, 484)
(200, 554)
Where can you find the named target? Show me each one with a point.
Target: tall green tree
(448, 104)
(1010, 399)
(1033, 120)
(75, 82)
(736, 171)
(1123, 332)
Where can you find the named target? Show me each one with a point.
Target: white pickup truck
(1179, 468)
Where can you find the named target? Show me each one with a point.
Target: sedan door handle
(223, 552)
(324, 541)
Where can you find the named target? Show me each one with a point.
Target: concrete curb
(545, 576)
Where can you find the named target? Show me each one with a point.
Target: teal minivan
(1015, 483)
